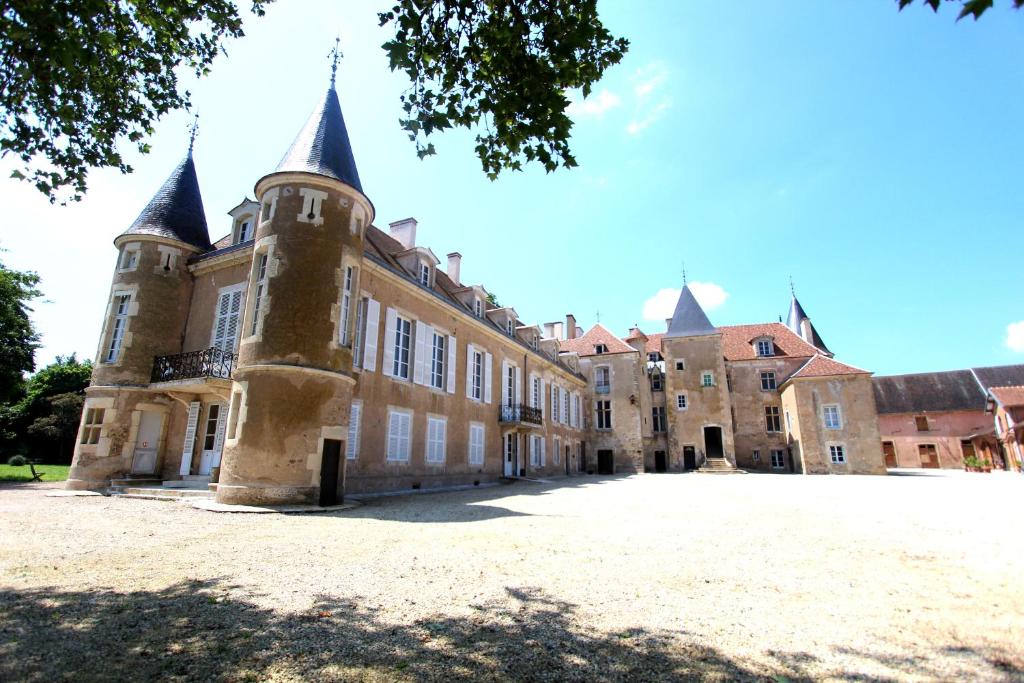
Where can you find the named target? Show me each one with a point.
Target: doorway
(330, 473)
(213, 440)
(582, 464)
(713, 442)
(147, 442)
(567, 455)
(605, 462)
(689, 458)
(660, 463)
(889, 449)
(929, 455)
(511, 454)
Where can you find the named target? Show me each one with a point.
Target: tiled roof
(689, 319)
(322, 146)
(1009, 397)
(1000, 376)
(654, 342)
(823, 366)
(598, 334)
(176, 210)
(928, 391)
(737, 341)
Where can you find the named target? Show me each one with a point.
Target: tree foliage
(18, 337)
(968, 8)
(78, 75)
(500, 67)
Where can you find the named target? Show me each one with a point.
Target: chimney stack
(454, 267)
(570, 326)
(405, 232)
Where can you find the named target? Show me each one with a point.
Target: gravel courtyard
(644, 577)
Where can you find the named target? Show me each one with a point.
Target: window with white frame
(600, 349)
(118, 324)
(604, 414)
(765, 348)
(557, 454)
(707, 379)
(837, 453)
(833, 420)
(778, 460)
(360, 333)
(437, 360)
(92, 424)
(534, 342)
(535, 446)
(129, 258)
(476, 443)
(681, 403)
(399, 435)
(400, 364)
(658, 419)
(772, 420)
(576, 406)
(535, 394)
(345, 328)
(556, 403)
(355, 416)
(267, 209)
(478, 307)
(437, 428)
(424, 274)
(510, 385)
(259, 292)
(756, 456)
(312, 204)
(510, 327)
(477, 375)
(245, 230)
(768, 380)
(602, 379)
(228, 319)
(565, 407)
(656, 381)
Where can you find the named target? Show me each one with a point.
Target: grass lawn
(23, 473)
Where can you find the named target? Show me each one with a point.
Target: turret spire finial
(684, 273)
(335, 55)
(193, 132)
(792, 288)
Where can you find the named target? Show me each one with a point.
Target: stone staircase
(719, 466)
(189, 487)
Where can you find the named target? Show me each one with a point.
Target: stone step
(136, 481)
(159, 493)
(205, 478)
(186, 484)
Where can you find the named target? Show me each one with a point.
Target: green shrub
(17, 460)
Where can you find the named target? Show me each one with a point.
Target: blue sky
(874, 156)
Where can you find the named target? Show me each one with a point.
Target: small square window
(838, 454)
(831, 417)
(768, 381)
(130, 259)
(680, 365)
(681, 402)
(922, 423)
(778, 460)
(764, 348)
(600, 348)
(707, 380)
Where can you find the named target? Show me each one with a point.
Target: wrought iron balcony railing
(212, 362)
(521, 414)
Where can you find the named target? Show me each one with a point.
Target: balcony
(520, 414)
(212, 363)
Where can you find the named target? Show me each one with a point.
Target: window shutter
(234, 320)
(488, 362)
(451, 364)
(352, 447)
(419, 361)
(372, 332)
(469, 371)
(543, 455)
(542, 398)
(504, 382)
(406, 423)
(393, 430)
(390, 324)
(518, 390)
(222, 425)
(554, 403)
(190, 438)
(220, 326)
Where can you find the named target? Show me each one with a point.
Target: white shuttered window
(399, 435)
(436, 433)
(476, 443)
(354, 417)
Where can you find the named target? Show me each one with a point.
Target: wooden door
(605, 462)
(929, 455)
(889, 450)
(689, 458)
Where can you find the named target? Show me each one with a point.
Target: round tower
(145, 317)
(293, 385)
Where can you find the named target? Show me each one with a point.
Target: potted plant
(972, 464)
(986, 465)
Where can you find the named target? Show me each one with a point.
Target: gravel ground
(594, 578)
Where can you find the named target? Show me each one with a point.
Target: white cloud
(595, 105)
(648, 78)
(1015, 336)
(652, 115)
(647, 81)
(663, 304)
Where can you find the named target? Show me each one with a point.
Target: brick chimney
(454, 267)
(405, 232)
(570, 326)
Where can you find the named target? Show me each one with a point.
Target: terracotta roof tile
(737, 341)
(823, 366)
(598, 334)
(654, 342)
(1009, 397)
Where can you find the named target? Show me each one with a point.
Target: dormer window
(600, 349)
(130, 258)
(245, 230)
(534, 342)
(764, 347)
(478, 308)
(424, 274)
(511, 327)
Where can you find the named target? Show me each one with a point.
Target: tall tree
(968, 8)
(18, 337)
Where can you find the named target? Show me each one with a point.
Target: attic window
(244, 231)
(424, 274)
(511, 327)
(765, 347)
(130, 258)
(534, 342)
(921, 421)
(478, 308)
(652, 357)
(600, 348)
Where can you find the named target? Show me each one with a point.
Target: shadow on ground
(198, 631)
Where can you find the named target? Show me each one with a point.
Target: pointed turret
(800, 323)
(176, 211)
(322, 146)
(689, 319)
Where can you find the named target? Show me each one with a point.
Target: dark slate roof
(689, 319)
(798, 315)
(322, 146)
(176, 211)
(1000, 376)
(928, 391)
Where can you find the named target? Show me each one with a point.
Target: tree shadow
(203, 631)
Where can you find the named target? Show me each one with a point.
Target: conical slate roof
(689, 319)
(322, 146)
(176, 210)
(796, 317)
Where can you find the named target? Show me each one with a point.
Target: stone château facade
(309, 353)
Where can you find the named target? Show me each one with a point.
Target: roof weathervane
(792, 288)
(193, 132)
(684, 273)
(335, 55)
